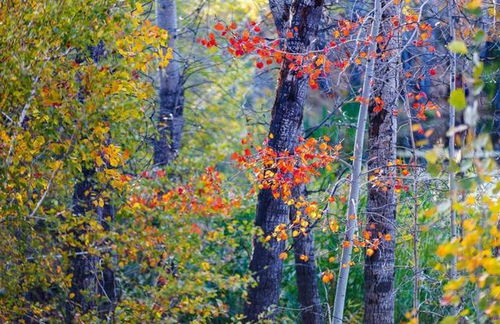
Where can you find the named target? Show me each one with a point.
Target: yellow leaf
(492, 266)
(444, 250)
(474, 4)
(470, 200)
(334, 226)
(454, 284)
(205, 266)
(458, 47)
(327, 277)
(138, 8)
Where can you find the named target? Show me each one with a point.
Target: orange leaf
(219, 26)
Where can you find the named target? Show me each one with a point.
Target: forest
(250, 161)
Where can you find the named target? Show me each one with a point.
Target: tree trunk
(307, 282)
(307, 278)
(352, 220)
(286, 127)
(91, 279)
(170, 120)
(306, 272)
(381, 205)
(451, 142)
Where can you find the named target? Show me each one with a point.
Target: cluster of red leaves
(391, 177)
(372, 243)
(306, 212)
(425, 32)
(282, 171)
(367, 241)
(422, 104)
(379, 104)
(202, 196)
(313, 64)
(319, 64)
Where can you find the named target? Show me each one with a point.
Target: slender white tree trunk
(352, 221)
(170, 120)
(451, 143)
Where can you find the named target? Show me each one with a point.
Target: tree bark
(352, 220)
(170, 120)
(381, 204)
(286, 127)
(91, 278)
(451, 142)
(307, 278)
(306, 272)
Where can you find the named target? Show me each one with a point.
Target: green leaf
(431, 156)
(458, 47)
(479, 37)
(449, 320)
(351, 110)
(478, 70)
(457, 99)
(434, 169)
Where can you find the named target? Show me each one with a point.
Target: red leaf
(219, 26)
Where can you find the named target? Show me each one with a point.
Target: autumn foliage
(84, 209)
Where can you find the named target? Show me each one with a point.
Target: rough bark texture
(352, 209)
(170, 120)
(93, 283)
(286, 125)
(307, 282)
(92, 278)
(381, 205)
(306, 275)
(306, 272)
(281, 14)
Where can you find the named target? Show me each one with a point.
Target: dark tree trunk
(286, 125)
(306, 273)
(170, 120)
(307, 280)
(93, 283)
(381, 205)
